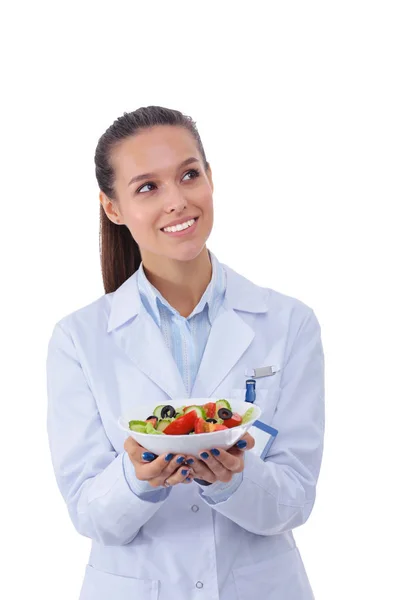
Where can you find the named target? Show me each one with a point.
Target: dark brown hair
(119, 253)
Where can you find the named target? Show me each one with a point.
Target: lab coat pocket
(266, 399)
(281, 577)
(99, 585)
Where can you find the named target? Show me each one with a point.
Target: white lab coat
(103, 360)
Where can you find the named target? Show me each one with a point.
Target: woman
(174, 322)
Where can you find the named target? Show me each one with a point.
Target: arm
(278, 495)
(98, 486)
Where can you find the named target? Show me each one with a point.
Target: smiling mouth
(195, 219)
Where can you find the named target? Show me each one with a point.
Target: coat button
(195, 508)
(199, 584)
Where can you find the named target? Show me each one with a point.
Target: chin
(188, 252)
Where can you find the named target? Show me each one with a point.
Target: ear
(111, 209)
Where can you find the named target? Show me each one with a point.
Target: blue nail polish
(149, 456)
(185, 471)
(241, 444)
(168, 457)
(180, 460)
(215, 451)
(190, 461)
(204, 455)
(188, 479)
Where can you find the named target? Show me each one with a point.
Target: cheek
(209, 211)
(205, 202)
(139, 222)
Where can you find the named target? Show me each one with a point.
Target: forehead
(158, 149)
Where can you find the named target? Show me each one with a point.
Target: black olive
(152, 417)
(168, 412)
(211, 421)
(225, 413)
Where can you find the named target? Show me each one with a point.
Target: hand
(158, 471)
(222, 465)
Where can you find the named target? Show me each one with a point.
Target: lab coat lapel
(230, 335)
(229, 338)
(135, 332)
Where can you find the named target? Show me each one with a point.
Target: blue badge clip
(250, 390)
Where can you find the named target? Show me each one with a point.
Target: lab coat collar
(241, 294)
(136, 333)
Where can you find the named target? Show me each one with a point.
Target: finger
(139, 454)
(169, 468)
(200, 469)
(232, 463)
(136, 451)
(236, 452)
(176, 463)
(178, 477)
(131, 445)
(247, 442)
(220, 472)
(190, 477)
(163, 464)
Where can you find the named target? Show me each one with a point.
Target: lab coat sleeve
(278, 494)
(90, 474)
(142, 489)
(219, 491)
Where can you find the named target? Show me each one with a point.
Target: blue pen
(250, 390)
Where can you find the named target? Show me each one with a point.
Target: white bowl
(188, 444)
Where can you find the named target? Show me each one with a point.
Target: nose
(175, 201)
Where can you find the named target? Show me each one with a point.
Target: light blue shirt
(186, 338)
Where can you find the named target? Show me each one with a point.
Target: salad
(206, 418)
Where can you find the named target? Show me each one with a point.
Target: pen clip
(262, 371)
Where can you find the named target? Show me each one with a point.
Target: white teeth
(180, 226)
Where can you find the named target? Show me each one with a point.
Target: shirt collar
(210, 300)
(241, 294)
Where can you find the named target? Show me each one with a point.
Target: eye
(195, 171)
(145, 185)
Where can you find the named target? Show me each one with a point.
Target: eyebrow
(149, 175)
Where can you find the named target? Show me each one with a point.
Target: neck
(181, 283)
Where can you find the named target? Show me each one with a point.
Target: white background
(298, 105)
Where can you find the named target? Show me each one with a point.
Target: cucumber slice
(150, 429)
(248, 415)
(198, 409)
(179, 411)
(222, 404)
(163, 423)
(139, 426)
(158, 409)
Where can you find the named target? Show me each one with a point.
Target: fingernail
(168, 457)
(215, 451)
(180, 460)
(241, 444)
(185, 471)
(188, 479)
(149, 456)
(204, 455)
(190, 461)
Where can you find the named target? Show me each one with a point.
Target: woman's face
(170, 191)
